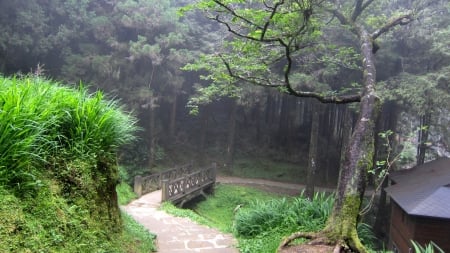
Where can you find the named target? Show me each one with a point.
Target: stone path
(175, 234)
(178, 235)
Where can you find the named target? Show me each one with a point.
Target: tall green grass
(298, 214)
(260, 220)
(428, 248)
(43, 123)
(58, 167)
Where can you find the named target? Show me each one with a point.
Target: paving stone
(199, 244)
(175, 234)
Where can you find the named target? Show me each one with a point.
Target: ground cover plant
(269, 169)
(258, 219)
(58, 169)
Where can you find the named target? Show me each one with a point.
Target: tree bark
(312, 156)
(425, 122)
(151, 141)
(173, 118)
(342, 222)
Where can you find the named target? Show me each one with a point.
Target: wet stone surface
(175, 234)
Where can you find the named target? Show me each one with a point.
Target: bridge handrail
(177, 189)
(146, 184)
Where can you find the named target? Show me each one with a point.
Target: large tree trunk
(341, 224)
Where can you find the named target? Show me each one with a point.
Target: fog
(134, 51)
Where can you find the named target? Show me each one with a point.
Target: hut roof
(423, 190)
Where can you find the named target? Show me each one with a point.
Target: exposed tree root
(296, 235)
(321, 239)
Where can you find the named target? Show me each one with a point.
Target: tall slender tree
(268, 44)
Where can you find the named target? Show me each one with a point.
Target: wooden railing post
(164, 189)
(138, 185)
(184, 183)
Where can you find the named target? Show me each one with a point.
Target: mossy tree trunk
(342, 222)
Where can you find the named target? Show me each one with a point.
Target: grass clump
(58, 168)
(262, 225)
(135, 237)
(297, 214)
(264, 168)
(428, 248)
(261, 220)
(221, 207)
(186, 213)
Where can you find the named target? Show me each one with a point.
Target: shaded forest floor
(272, 186)
(278, 187)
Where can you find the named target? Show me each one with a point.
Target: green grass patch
(265, 168)
(58, 168)
(187, 213)
(260, 220)
(125, 193)
(135, 237)
(220, 207)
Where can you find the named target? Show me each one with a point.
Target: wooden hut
(420, 206)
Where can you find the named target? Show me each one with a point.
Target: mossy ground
(47, 222)
(58, 170)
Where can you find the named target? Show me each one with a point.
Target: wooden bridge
(178, 185)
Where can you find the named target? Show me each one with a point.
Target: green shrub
(429, 248)
(297, 214)
(366, 235)
(125, 193)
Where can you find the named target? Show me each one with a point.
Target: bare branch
(274, 11)
(366, 4)
(358, 9)
(401, 20)
(360, 6)
(342, 19)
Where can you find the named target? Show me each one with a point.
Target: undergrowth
(58, 169)
(260, 220)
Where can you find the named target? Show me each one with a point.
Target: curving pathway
(176, 234)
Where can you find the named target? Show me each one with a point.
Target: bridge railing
(184, 188)
(146, 184)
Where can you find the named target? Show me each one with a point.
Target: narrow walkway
(175, 234)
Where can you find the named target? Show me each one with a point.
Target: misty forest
(328, 94)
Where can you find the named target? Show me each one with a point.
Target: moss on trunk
(341, 226)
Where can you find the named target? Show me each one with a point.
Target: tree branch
(366, 4)
(233, 13)
(402, 20)
(231, 30)
(274, 11)
(335, 99)
(358, 9)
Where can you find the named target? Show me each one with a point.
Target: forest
(331, 93)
